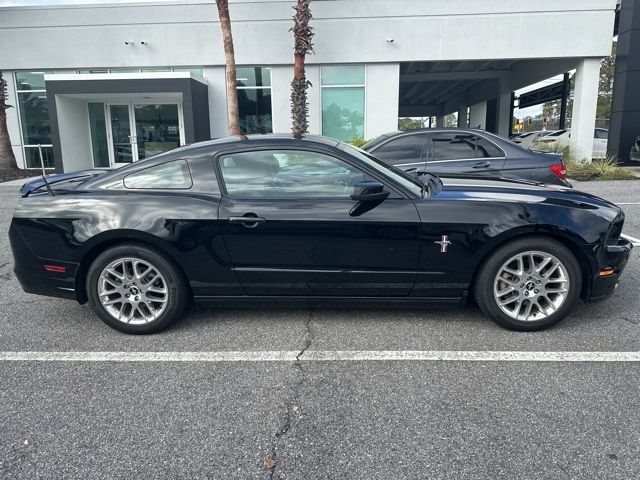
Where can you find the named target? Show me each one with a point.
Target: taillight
(55, 268)
(559, 170)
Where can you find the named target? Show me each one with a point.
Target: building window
(254, 99)
(197, 71)
(98, 129)
(34, 119)
(343, 93)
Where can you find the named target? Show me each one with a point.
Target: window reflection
(254, 99)
(343, 97)
(34, 119)
(288, 174)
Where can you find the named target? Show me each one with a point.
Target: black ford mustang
(273, 217)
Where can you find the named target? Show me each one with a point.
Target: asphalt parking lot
(307, 419)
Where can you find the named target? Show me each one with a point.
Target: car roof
(382, 138)
(224, 143)
(212, 147)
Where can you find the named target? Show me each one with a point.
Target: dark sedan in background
(634, 156)
(469, 151)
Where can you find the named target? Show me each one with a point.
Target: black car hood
(510, 190)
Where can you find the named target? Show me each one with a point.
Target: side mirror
(369, 191)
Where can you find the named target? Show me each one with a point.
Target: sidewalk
(17, 183)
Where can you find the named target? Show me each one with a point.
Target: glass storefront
(98, 129)
(157, 129)
(254, 99)
(141, 130)
(34, 118)
(32, 156)
(343, 98)
(121, 133)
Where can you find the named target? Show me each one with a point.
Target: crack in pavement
(271, 463)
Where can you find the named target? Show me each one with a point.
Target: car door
(293, 229)
(463, 152)
(404, 151)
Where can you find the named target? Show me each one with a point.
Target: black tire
(176, 287)
(484, 284)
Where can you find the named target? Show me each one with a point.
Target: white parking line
(323, 356)
(633, 240)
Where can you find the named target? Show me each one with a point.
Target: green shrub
(598, 169)
(584, 170)
(357, 141)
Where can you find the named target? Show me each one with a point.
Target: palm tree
(7, 158)
(302, 34)
(233, 116)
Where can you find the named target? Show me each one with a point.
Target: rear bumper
(616, 257)
(30, 271)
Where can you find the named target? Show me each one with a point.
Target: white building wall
(585, 101)
(346, 31)
(217, 92)
(75, 137)
(381, 99)
(13, 120)
(478, 115)
(314, 96)
(281, 98)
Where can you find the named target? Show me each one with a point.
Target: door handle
(481, 165)
(249, 220)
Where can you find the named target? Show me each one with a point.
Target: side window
(486, 149)
(170, 175)
(287, 174)
(453, 146)
(601, 134)
(401, 150)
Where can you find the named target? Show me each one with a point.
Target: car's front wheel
(529, 284)
(136, 289)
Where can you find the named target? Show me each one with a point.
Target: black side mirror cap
(369, 191)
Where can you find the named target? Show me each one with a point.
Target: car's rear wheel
(529, 284)
(136, 289)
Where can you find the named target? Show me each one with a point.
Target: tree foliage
(410, 123)
(303, 36)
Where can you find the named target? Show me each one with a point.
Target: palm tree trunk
(7, 158)
(233, 115)
(302, 34)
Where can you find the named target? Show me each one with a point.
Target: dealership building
(101, 85)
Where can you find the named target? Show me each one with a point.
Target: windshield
(407, 181)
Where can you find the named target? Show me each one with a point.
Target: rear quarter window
(173, 175)
(405, 149)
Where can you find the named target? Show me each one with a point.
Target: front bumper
(616, 258)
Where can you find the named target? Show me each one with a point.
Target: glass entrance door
(142, 130)
(121, 150)
(157, 128)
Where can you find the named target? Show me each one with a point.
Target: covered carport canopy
(485, 87)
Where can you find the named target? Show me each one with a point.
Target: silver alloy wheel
(132, 291)
(530, 286)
